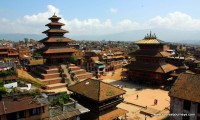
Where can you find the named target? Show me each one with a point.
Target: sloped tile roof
(58, 50)
(8, 105)
(118, 53)
(187, 87)
(55, 23)
(151, 53)
(96, 89)
(113, 114)
(150, 41)
(56, 39)
(152, 67)
(55, 31)
(94, 59)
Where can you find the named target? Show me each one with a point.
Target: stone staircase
(77, 74)
(65, 75)
(50, 75)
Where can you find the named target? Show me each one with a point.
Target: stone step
(55, 86)
(46, 70)
(74, 68)
(84, 76)
(52, 80)
(52, 75)
(77, 72)
(72, 65)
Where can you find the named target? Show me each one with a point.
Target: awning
(26, 56)
(100, 66)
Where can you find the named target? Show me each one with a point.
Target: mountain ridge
(167, 35)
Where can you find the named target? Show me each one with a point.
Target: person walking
(137, 96)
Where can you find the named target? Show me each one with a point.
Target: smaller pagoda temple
(149, 65)
(100, 98)
(56, 48)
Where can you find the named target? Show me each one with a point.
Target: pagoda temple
(56, 52)
(56, 48)
(149, 65)
(100, 98)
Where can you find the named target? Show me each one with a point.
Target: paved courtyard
(146, 97)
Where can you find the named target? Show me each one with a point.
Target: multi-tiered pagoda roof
(56, 45)
(149, 64)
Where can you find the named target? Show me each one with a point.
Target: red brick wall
(75, 68)
(46, 76)
(53, 81)
(89, 75)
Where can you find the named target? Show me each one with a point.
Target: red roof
(151, 53)
(113, 114)
(152, 67)
(56, 39)
(8, 105)
(55, 31)
(58, 50)
(186, 87)
(96, 89)
(55, 23)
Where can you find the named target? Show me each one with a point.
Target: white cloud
(113, 10)
(176, 20)
(35, 24)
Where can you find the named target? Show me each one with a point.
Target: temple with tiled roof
(56, 52)
(56, 48)
(150, 66)
(100, 98)
(185, 97)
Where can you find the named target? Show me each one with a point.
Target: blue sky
(99, 17)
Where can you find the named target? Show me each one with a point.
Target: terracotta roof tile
(8, 105)
(58, 50)
(118, 53)
(113, 114)
(55, 31)
(96, 90)
(187, 87)
(94, 59)
(54, 23)
(56, 39)
(153, 67)
(152, 53)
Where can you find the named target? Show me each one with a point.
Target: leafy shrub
(1, 83)
(35, 92)
(63, 99)
(7, 72)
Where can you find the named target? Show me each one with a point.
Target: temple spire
(150, 34)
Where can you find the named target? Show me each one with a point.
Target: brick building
(23, 107)
(8, 52)
(185, 97)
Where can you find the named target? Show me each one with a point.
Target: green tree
(2, 92)
(1, 83)
(73, 59)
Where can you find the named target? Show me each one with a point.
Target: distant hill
(167, 35)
